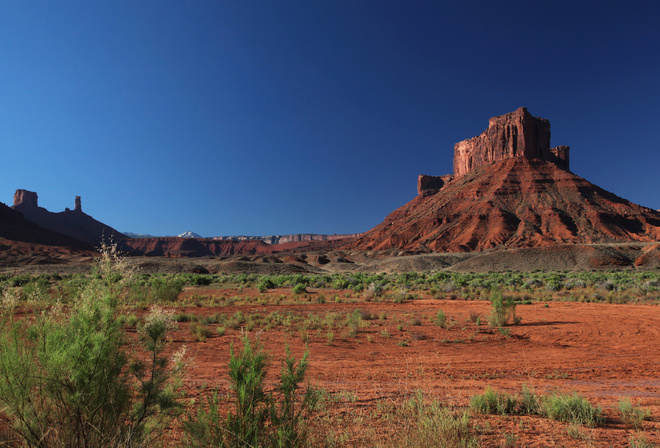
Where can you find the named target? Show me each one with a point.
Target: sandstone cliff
(516, 134)
(191, 247)
(75, 224)
(510, 189)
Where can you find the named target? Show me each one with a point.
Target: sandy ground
(604, 352)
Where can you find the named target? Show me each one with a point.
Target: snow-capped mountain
(189, 234)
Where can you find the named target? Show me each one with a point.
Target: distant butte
(510, 189)
(75, 224)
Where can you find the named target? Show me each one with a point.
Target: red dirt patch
(601, 351)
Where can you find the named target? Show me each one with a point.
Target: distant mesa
(228, 245)
(138, 235)
(74, 223)
(509, 189)
(293, 238)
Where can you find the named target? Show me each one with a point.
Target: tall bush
(67, 379)
(258, 419)
(503, 311)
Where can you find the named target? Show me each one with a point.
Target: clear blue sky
(273, 117)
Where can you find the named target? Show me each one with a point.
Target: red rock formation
(510, 189)
(25, 198)
(14, 226)
(516, 134)
(75, 224)
(517, 202)
(429, 185)
(293, 238)
(192, 247)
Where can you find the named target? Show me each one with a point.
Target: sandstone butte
(73, 223)
(510, 189)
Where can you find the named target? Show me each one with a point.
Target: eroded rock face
(430, 185)
(25, 198)
(517, 202)
(516, 134)
(510, 189)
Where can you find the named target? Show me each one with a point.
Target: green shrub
(631, 414)
(68, 379)
(430, 425)
(503, 310)
(132, 320)
(572, 409)
(299, 289)
(492, 402)
(200, 332)
(166, 289)
(441, 319)
(265, 284)
(258, 418)
(639, 441)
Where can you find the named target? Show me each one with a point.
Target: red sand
(602, 351)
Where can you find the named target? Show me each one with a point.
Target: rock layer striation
(510, 189)
(516, 134)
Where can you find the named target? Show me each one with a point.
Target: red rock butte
(510, 189)
(516, 134)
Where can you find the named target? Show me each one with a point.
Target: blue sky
(261, 117)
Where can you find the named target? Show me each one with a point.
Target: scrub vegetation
(86, 360)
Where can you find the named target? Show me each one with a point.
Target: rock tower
(516, 134)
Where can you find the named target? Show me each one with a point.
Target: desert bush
(639, 441)
(132, 320)
(200, 332)
(366, 315)
(275, 419)
(200, 280)
(299, 288)
(631, 414)
(503, 310)
(492, 402)
(265, 284)
(68, 379)
(441, 319)
(166, 288)
(184, 317)
(431, 425)
(571, 409)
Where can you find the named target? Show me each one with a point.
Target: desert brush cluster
(89, 360)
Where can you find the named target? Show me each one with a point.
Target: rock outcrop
(192, 247)
(25, 198)
(430, 185)
(516, 134)
(510, 189)
(75, 224)
(14, 226)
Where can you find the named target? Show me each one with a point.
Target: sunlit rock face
(516, 134)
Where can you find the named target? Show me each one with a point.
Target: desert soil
(604, 352)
